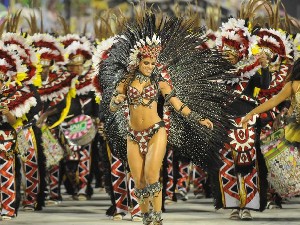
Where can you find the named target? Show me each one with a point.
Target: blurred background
(81, 15)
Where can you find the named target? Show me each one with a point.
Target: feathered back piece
(196, 75)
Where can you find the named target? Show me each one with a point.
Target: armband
(181, 108)
(115, 105)
(194, 117)
(169, 96)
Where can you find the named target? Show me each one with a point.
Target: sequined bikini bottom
(144, 136)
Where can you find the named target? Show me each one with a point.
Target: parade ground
(191, 212)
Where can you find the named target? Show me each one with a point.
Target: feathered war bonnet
(10, 64)
(141, 40)
(48, 49)
(25, 51)
(274, 43)
(77, 49)
(20, 45)
(236, 38)
(19, 99)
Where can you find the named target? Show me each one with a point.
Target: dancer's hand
(245, 120)
(207, 123)
(41, 121)
(280, 119)
(263, 59)
(119, 98)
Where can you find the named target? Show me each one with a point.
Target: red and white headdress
(70, 38)
(210, 37)
(102, 50)
(10, 63)
(25, 51)
(48, 48)
(145, 48)
(235, 36)
(275, 42)
(78, 49)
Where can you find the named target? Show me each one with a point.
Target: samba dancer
(290, 141)
(55, 84)
(122, 193)
(243, 185)
(134, 73)
(80, 100)
(16, 101)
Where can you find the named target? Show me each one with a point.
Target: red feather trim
(280, 50)
(57, 84)
(18, 98)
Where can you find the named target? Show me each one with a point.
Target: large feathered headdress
(275, 42)
(150, 47)
(236, 38)
(78, 49)
(25, 51)
(10, 64)
(48, 48)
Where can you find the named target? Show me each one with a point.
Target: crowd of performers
(149, 111)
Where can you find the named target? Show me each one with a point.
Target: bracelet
(170, 95)
(115, 105)
(181, 108)
(195, 117)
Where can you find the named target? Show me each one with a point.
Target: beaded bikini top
(148, 95)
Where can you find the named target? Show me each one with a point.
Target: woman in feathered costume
(149, 59)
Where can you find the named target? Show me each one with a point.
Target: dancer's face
(45, 73)
(231, 56)
(147, 65)
(76, 69)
